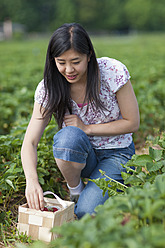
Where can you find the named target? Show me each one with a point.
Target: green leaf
(141, 176)
(160, 183)
(154, 166)
(41, 180)
(157, 207)
(155, 153)
(111, 192)
(125, 175)
(133, 180)
(140, 160)
(163, 144)
(10, 183)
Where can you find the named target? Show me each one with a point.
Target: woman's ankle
(76, 190)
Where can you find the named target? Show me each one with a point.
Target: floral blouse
(113, 75)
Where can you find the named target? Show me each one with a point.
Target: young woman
(96, 110)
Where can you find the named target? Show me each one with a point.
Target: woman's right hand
(34, 194)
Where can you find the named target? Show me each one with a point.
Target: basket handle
(62, 202)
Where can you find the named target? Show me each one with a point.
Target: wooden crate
(37, 223)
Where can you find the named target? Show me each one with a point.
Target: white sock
(76, 190)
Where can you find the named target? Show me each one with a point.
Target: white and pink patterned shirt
(113, 75)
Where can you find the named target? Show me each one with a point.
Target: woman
(96, 110)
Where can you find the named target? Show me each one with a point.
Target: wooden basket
(37, 223)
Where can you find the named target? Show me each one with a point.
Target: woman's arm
(32, 137)
(129, 111)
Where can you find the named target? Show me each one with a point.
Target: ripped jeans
(72, 144)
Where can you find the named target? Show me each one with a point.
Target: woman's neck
(78, 92)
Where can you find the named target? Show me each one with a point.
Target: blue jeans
(72, 144)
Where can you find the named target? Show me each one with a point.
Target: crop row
(23, 64)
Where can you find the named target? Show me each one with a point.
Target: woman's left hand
(74, 120)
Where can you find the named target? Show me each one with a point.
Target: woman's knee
(70, 137)
(71, 144)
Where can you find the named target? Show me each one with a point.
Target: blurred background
(105, 16)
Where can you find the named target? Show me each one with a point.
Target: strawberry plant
(12, 179)
(148, 166)
(133, 218)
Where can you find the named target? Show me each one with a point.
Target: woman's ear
(89, 56)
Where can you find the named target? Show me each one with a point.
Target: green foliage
(22, 64)
(133, 219)
(8, 231)
(12, 179)
(108, 184)
(147, 166)
(95, 15)
(140, 18)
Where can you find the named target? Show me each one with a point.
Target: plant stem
(3, 236)
(114, 180)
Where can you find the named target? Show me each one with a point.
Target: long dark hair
(56, 86)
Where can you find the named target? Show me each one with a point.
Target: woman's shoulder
(40, 90)
(107, 63)
(40, 85)
(40, 93)
(113, 72)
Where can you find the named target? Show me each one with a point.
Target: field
(144, 55)
(22, 64)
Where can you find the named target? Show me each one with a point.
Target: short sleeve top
(113, 75)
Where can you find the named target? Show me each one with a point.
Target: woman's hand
(74, 120)
(34, 194)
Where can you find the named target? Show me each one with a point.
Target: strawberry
(53, 209)
(45, 209)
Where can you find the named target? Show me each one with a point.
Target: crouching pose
(96, 111)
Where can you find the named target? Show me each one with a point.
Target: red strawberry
(45, 209)
(54, 209)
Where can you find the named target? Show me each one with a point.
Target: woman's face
(73, 66)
